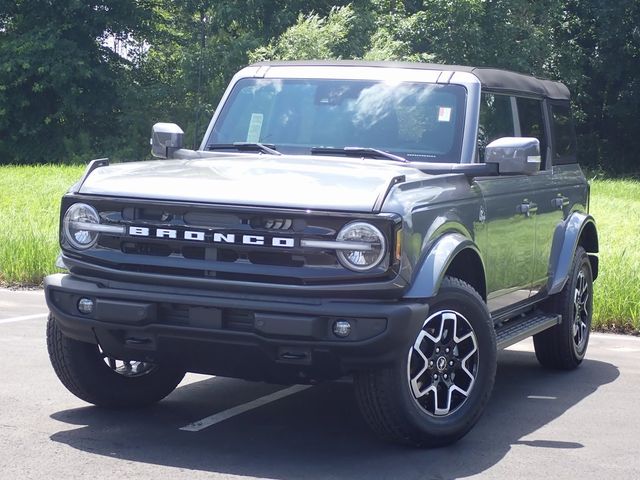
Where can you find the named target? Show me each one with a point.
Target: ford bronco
(394, 222)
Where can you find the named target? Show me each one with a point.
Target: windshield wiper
(357, 152)
(261, 147)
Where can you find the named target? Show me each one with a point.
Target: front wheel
(436, 392)
(93, 376)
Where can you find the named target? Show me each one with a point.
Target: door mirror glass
(166, 138)
(514, 155)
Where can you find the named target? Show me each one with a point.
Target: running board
(518, 329)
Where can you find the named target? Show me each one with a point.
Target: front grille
(269, 262)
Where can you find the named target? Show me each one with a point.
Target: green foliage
(60, 87)
(66, 96)
(312, 37)
(606, 80)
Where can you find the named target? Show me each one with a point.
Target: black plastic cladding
(294, 266)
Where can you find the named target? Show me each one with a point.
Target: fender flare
(432, 269)
(565, 242)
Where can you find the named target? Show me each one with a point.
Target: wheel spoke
(584, 286)
(463, 338)
(421, 336)
(465, 369)
(585, 303)
(415, 384)
(583, 330)
(447, 408)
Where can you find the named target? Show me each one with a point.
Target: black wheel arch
(453, 254)
(589, 241)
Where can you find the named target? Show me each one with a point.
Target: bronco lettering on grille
(213, 237)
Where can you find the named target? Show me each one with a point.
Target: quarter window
(532, 122)
(564, 138)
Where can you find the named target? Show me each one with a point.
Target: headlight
(367, 236)
(78, 223)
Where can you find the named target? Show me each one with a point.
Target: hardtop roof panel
(490, 78)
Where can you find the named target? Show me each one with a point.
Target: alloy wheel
(443, 363)
(581, 311)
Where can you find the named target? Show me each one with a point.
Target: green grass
(615, 204)
(29, 212)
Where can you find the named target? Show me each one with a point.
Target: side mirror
(514, 155)
(166, 138)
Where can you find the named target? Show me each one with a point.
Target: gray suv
(395, 222)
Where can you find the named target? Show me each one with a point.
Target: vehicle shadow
(319, 433)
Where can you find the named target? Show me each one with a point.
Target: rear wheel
(95, 377)
(436, 392)
(564, 346)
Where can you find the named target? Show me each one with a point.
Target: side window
(496, 120)
(532, 122)
(564, 137)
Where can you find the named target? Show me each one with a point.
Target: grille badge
(212, 237)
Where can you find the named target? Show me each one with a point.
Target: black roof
(490, 78)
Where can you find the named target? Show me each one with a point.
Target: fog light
(341, 328)
(85, 305)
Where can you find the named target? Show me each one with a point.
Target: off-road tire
(82, 370)
(385, 396)
(557, 347)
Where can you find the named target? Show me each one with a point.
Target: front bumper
(259, 337)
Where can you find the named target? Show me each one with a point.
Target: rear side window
(496, 120)
(564, 137)
(532, 122)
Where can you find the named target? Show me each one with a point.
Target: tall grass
(29, 213)
(615, 204)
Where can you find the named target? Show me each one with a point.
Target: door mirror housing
(166, 139)
(514, 155)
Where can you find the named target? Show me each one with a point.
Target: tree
(61, 88)
(64, 95)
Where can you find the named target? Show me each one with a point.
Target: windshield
(418, 121)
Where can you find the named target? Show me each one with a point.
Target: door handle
(560, 201)
(527, 208)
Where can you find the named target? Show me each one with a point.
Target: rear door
(545, 193)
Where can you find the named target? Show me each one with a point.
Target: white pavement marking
(23, 317)
(615, 336)
(232, 412)
(624, 349)
(541, 397)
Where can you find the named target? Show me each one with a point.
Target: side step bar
(518, 329)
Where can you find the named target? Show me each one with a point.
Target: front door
(508, 242)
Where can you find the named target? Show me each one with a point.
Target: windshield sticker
(255, 127)
(444, 114)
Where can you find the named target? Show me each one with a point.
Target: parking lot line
(23, 317)
(232, 412)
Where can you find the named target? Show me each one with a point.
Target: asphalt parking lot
(582, 424)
